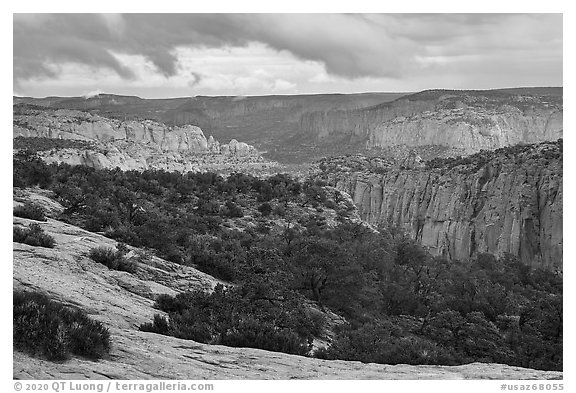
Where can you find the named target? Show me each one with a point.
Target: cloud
(352, 47)
(283, 86)
(196, 79)
(40, 47)
(92, 93)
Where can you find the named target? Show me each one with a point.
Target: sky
(175, 55)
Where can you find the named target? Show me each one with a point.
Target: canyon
(506, 201)
(461, 173)
(464, 121)
(270, 123)
(304, 128)
(504, 206)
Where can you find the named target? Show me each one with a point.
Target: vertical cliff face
(324, 126)
(510, 202)
(73, 124)
(469, 129)
(466, 120)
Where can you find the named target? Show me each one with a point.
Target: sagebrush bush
(386, 343)
(31, 211)
(48, 329)
(33, 236)
(112, 258)
(253, 333)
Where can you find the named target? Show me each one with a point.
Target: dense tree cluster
(36, 144)
(516, 153)
(255, 314)
(270, 239)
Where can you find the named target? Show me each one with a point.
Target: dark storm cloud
(59, 39)
(379, 45)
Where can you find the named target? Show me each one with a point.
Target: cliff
(264, 121)
(303, 128)
(122, 301)
(465, 120)
(73, 124)
(507, 201)
(130, 144)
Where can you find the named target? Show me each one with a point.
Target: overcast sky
(173, 55)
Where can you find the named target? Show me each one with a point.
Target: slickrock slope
(464, 120)
(122, 301)
(508, 201)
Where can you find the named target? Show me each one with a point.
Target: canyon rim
(288, 196)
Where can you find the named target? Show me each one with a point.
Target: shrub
(252, 333)
(29, 170)
(218, 267)
(265, 209)
(33, 236)
(46, 328)
(330, 204)
(232, 210)
(252, 315)
(113, 259)
(31, 211)
(386, 343)
(159, 325)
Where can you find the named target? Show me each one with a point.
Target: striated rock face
(469, 129)
(133, 156)
(122, 301)
(265, 121)
(510, 203)
(327, 125)
(73, 124)
(132, 145)
(464, 120)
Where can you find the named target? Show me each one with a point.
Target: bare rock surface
(133, 145)
(465, 120)
(123, 301)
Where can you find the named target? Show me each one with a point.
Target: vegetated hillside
(284, 244)
(268, 122)
(503, 201)
(122, 301)
(465, 120)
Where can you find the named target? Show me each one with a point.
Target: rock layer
(510, 204)
(465, 120)
(133, 145)
(73, 124)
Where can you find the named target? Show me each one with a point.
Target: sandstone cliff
(73, 124)
(265, 121)
(508, 201)
(132, 145)
(465, 120)
(123, 301)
